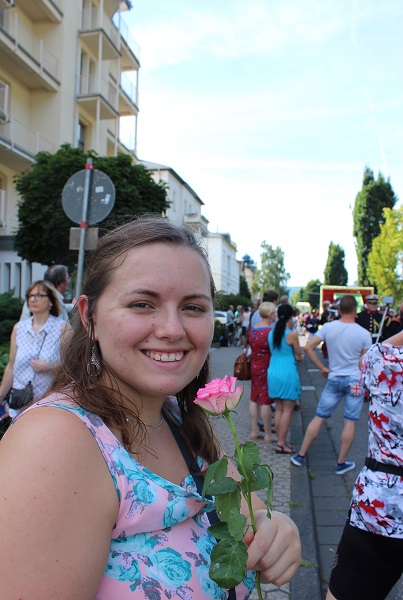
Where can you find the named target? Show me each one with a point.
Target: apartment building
(185, 204)
(68, 74)
(224, 265)
(185, 209)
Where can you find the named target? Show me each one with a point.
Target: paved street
(315, 498)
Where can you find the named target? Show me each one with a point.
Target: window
(4, 94)
(81, 135)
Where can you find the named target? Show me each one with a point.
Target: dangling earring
(94, 366)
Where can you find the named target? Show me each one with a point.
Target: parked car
(221, 315)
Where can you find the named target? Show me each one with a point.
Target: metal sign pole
(83, 226)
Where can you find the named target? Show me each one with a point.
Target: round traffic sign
(101, 196)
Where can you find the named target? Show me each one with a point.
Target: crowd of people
(364, 361)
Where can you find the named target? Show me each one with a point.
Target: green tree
(385, 261)
(272, 274)
(244, 288)
(312, 292)
(368, 216)
(297, 296)
(43, 231)
(335, 271)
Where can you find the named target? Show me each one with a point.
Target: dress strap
(198, 479)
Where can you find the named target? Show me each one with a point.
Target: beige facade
(68, 74)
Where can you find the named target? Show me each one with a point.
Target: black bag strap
(198, 479)
(374, 465)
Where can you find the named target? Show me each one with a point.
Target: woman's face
(154, 320)
(39, 301)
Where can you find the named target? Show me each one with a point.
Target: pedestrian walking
(259, 363)
(346, 342)
(284, 383)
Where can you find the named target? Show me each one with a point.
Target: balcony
(97, 28)
(26, 55)
(128, 101)
(42, 10)
(98, 97)
(123, 145)
(19, 144)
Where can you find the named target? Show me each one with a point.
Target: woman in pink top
(100, 479)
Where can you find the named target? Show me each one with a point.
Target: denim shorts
(335, 390)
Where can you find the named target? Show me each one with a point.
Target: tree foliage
(368, 216)
(297, 296)
(43, 232)
(244, 288)
(335, 270)
(311, 292)
(385, 261)
(272, 274)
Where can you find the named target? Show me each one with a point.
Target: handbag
(242, 367)
(16, 398)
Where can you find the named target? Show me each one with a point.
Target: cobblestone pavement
(222, 361)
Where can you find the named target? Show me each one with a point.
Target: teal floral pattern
(160, 547)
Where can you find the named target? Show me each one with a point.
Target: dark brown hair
(348, 304)
(50, 292)
(101, 395)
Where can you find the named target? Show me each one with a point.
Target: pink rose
(219, 396)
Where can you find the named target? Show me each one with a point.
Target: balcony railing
(92, 85)
(129, 39)
(129, 88)
(29, 43)
(17, 135)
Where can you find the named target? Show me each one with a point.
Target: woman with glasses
(34, 344)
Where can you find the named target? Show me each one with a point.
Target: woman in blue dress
(284, 384)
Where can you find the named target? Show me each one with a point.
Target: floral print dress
(160, 546)
(377, 503)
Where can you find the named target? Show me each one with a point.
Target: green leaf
(252, 451)
(260, 478)
(219, 530)
(228, 563)
(226, 502)
(215, 471)
(236, 525)
(223, 487)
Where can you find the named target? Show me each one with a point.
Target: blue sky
(270, 110)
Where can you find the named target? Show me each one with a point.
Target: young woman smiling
(102, 473)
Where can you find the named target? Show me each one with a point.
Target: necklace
(128, 419)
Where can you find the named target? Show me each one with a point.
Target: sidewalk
(314, 496)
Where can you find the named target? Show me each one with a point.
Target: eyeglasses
(37, 296)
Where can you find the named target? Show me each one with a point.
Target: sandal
(286, 449)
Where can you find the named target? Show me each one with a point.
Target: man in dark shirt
(370, 318)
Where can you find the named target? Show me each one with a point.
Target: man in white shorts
(346, 343)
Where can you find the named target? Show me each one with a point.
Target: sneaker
(297, 460)
(344, 467)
